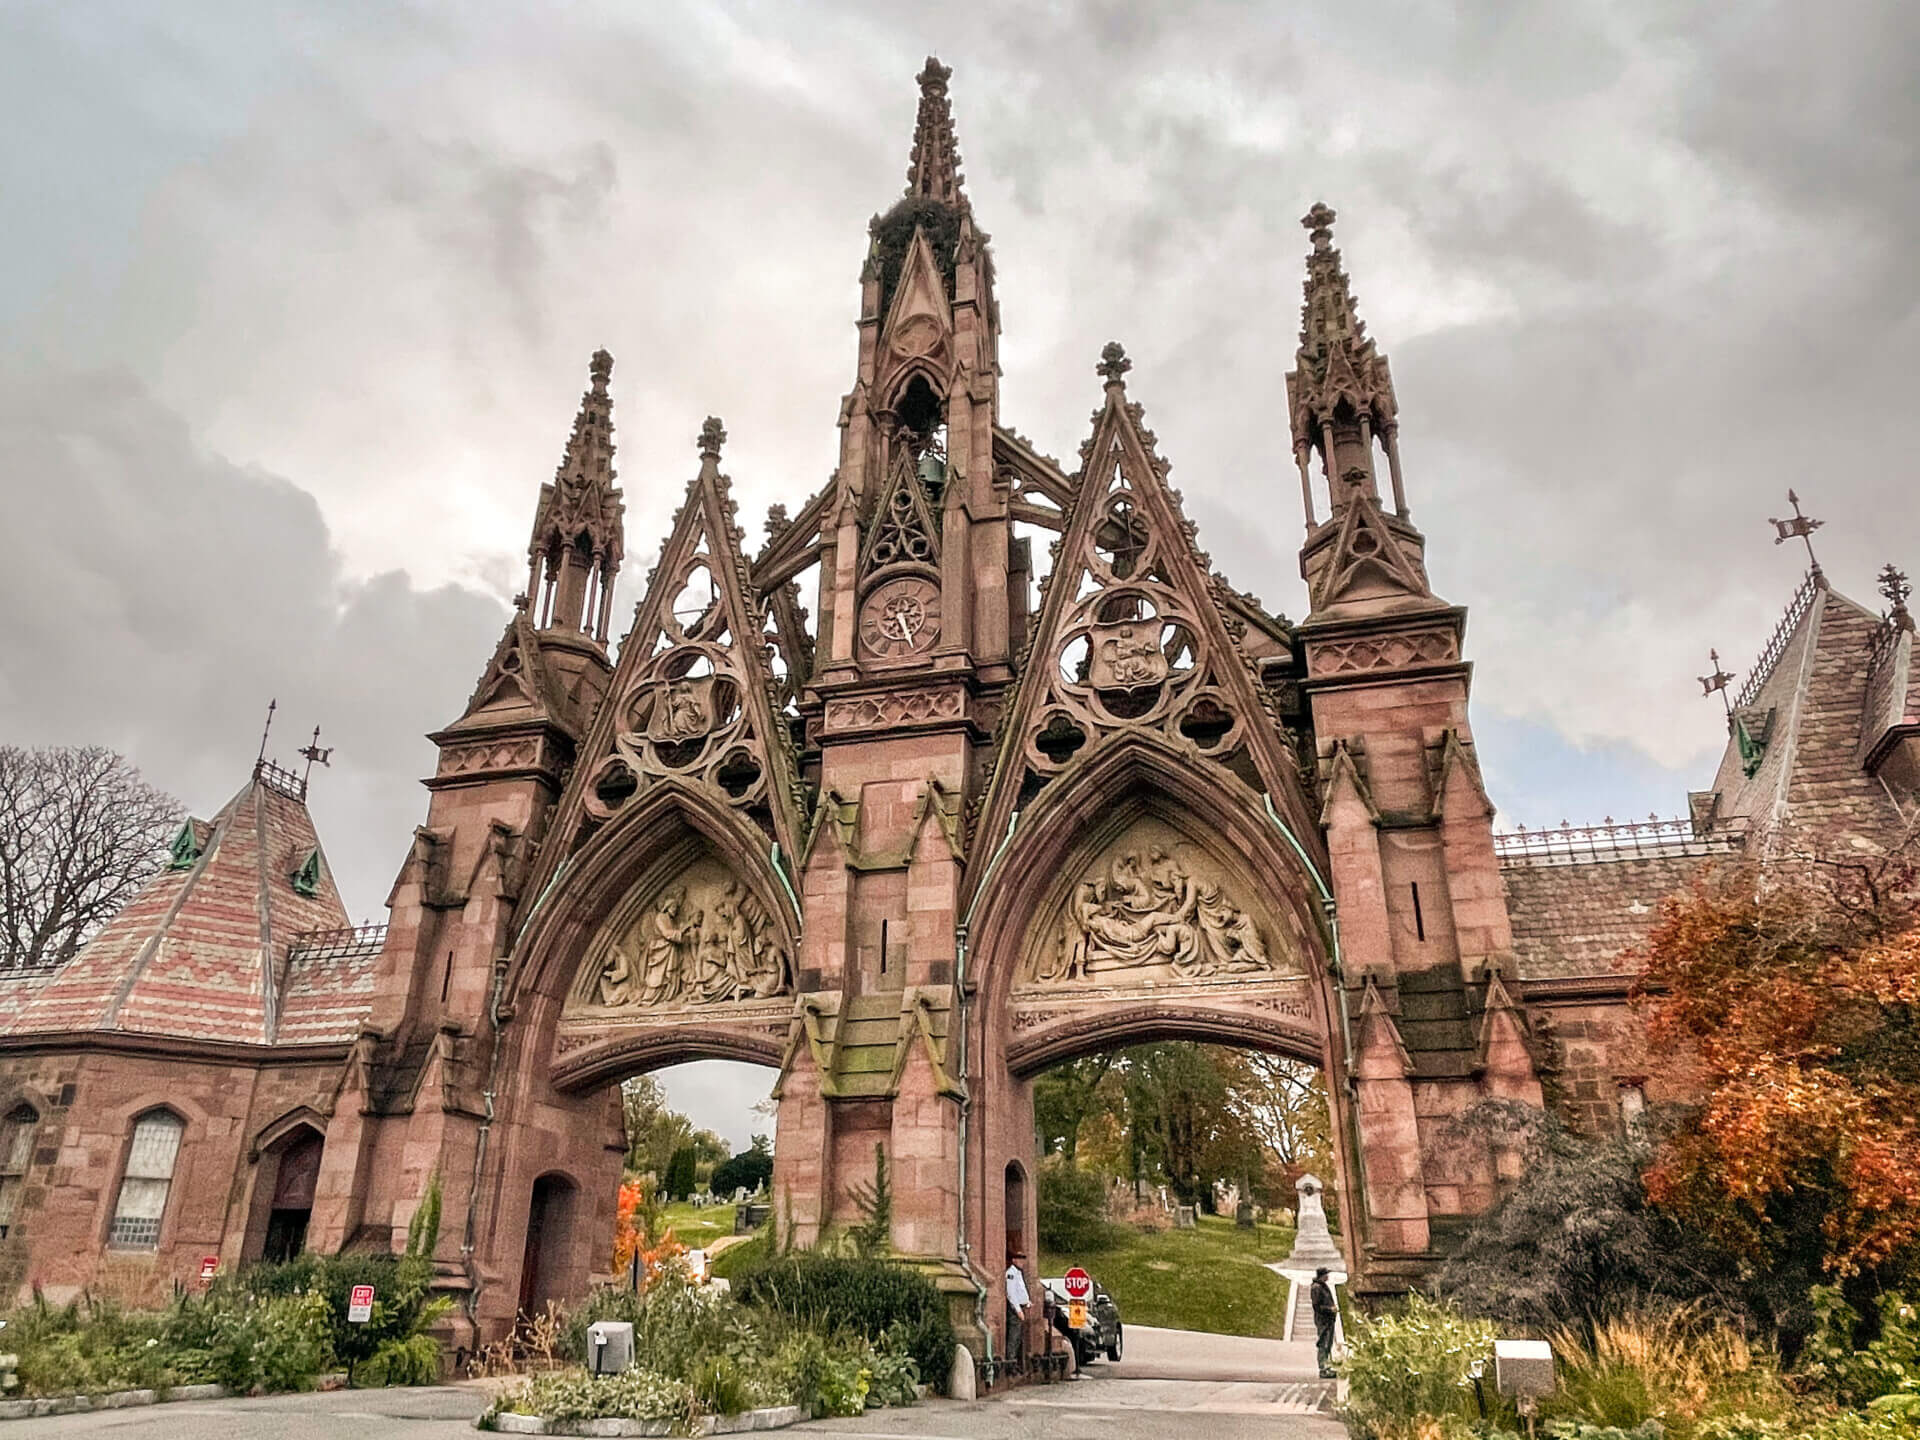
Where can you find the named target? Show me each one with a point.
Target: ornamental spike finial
(712, 436)
(1114, 364)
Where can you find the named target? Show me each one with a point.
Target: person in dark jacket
(1325, 1313)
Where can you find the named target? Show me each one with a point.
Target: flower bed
(714, 1365)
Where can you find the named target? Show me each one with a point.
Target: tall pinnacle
(933, 173)
(578, 528)
(1340, 393)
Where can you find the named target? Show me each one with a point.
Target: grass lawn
(697, 1227)
(1212, 1277)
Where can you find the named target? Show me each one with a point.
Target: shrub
(1411, 1364)
(873, 1299)
(1889, 1364)
(1576, 1238)
(576, 1395)
(394, 1337)
(818, 1376)
(1072, 1206)
(679, 1182)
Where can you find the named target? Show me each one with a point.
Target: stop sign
(1079, 1284)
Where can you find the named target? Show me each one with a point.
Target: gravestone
(1312, 1242)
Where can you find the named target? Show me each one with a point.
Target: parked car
(1101, 1335)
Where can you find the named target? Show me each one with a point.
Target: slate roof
(209, 952)
(1829, 683)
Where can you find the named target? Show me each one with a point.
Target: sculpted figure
(686, 712)
(705, 941)
(668, 947)
(1152, 913)
(616, 981)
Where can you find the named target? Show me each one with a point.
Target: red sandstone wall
(88, 1104)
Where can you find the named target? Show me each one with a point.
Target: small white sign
(697, 1266)
(360, 1305)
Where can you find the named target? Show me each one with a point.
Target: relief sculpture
(1152, 907)
(702, 941)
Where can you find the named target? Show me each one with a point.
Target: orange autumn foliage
(1798, 992)
(639, 1229)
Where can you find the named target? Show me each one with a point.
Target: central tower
(912, 659)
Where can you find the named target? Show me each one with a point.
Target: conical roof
(205, 951)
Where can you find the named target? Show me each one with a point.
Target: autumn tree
(1063, 1098)
(80, 832)
(1797, 990)
(1283, 1104)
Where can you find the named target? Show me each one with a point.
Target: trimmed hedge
(866, 1296)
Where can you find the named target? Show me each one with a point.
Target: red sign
(209, 1267)
(360, 1305)
(1078, 1284)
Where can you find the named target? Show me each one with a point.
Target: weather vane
(1800, 527)
(266, 730)
(312, 751)
(1716, 682)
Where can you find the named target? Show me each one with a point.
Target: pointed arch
(665, 827)
(1127, 776)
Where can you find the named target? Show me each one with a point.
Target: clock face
(901, 617)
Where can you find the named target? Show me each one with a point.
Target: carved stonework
(866, 712)
(701, 939)
(1383, 652)
(1126, 656)
(1154, 906)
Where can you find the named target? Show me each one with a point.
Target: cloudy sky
(296, 303)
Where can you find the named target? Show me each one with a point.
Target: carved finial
(1895, 586)
(1717, 682)
(1318, 223)
(712, 436)
(1114, 363)
(601, 370)
(933, 172)
(1801, 528)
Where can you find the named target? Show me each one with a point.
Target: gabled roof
(1802, 708)
(203, 952)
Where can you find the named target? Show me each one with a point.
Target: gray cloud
(1638, 268)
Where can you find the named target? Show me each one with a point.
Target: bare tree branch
(80, 833)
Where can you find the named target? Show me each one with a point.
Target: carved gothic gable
(918, 332)
(903, 530)
(1368, 561)
(699, 937)
(1130, 635)
(694, 698)
(1154, 907)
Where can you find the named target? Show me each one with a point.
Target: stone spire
(934, 171)
(578, 537)
(1339, 393)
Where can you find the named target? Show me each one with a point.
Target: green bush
(871, 1298)
(1413, 1363)
(1072, 1206)
(394, 1338)
(1888, 1364)
(818, 1376)
(576, 1395)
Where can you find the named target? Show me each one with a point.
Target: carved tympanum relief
(1160, 906)
(701, 939)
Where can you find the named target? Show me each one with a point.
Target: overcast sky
(296, 303)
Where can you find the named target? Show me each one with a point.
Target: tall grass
(1676, 1366)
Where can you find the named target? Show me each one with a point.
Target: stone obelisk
(1312, 1247)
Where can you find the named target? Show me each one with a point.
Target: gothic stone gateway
(907, 853)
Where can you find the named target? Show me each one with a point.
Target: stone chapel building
(957, 824)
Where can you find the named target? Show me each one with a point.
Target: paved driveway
(1247, 1389)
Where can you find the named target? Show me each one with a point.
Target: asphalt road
(1247, 1389)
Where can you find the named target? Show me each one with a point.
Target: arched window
(16, 1153)
(143, 1190)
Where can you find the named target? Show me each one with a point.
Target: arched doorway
(295, 1175)
(551, 1258)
